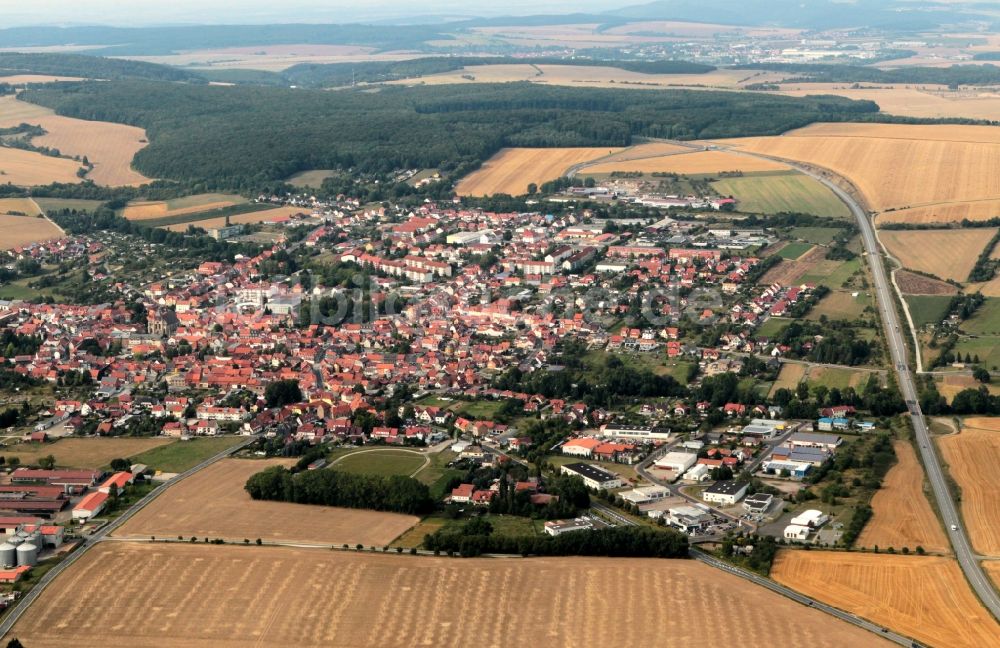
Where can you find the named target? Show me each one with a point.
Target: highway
(101, 534)
(897, 348)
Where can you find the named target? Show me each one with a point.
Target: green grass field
(313, 178)
(832, 274)
(773, 326)
(928, 309)
(840, 304)
(815, 235)
(793, 251)
(782, 192)
(986, 321)
(55, 204)
(200, 200)
(184, 455)
(987, 348)
(382, 462)
(485, 409)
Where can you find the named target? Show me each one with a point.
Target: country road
(895, 339)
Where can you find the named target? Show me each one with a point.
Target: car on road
(954, 527)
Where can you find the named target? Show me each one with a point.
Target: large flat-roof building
(640, 433)
(559, 527)
(689, 519)
(727, 492)
(593, 477)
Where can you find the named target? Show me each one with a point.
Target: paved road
(898, 351)
(102, 533)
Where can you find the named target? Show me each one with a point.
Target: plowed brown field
(972, 457)
(924, 597)
(902, 515)
(213, 503)
(197, 596)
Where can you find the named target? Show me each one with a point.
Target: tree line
(334, 488)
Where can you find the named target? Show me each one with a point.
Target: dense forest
(342, 74)
(240, 137)
(333, 488)
(90, 67)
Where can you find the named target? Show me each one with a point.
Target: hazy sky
(146, 12)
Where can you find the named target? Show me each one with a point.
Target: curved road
(897, 347)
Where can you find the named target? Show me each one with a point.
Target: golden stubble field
(197, 596)
(212, 503)
(83, 453)
(902, 515)
(511, 170)
(266, 216)
(19, 206)
(897, 166)
(16, 231)
(110, 147)
(972, 457)
(924, 597)
(30, 169)
(924, 101)
(948, 254)
(689, 163)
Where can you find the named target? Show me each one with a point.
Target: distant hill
(91, 67)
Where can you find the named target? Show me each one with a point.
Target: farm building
(593, 476)
(727, 492)
(90, 506)
(118, 481)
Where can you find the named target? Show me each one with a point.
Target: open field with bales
(265, 596)
(902, 515)
(511, 170)
(897, 166)
(948, 254)
(153, 210)
(16, 231)
(83, 453)
(19, 207)
(30, 169)
(275, 215)
(773, 193)
(924, 597)
(212, 503)
(692, 162)
(972, 456)
(109, 147)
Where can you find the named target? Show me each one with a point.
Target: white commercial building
(726, 493)
(797, 533)
(559, 527)
(645, 494)
(593, 477)
(676, 461)
(811, 518)
(640, 433)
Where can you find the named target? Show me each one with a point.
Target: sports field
(902, 515)
(212, 503)
(774, 193)
(924, 597)
(381, 462)
(972, 457)
(16, 231)
(511, 170)
(201, 596)
(83, 453)
(948, 254)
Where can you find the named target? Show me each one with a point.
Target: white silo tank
(8, 555)
(27, 554)
(15, 540)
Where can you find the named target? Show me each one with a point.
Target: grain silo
(8, 555)
(27, 554)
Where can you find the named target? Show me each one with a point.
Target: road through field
(957, 534)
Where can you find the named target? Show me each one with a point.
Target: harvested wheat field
(895, 165)
(196, 596)
(789, 377)
(948, 254)
(511, 170)
(694, 163)
(16, 231)
(647, 150)
(902, 515)
(276, 215)
(975, 210)
(83, 453)
(972, 457)
(926, 101)
(213, 503)
(950, 385)
(109, 147)
(152, 210)
(924, 597)
(22, 79)
(19, 207)
(30, 169)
